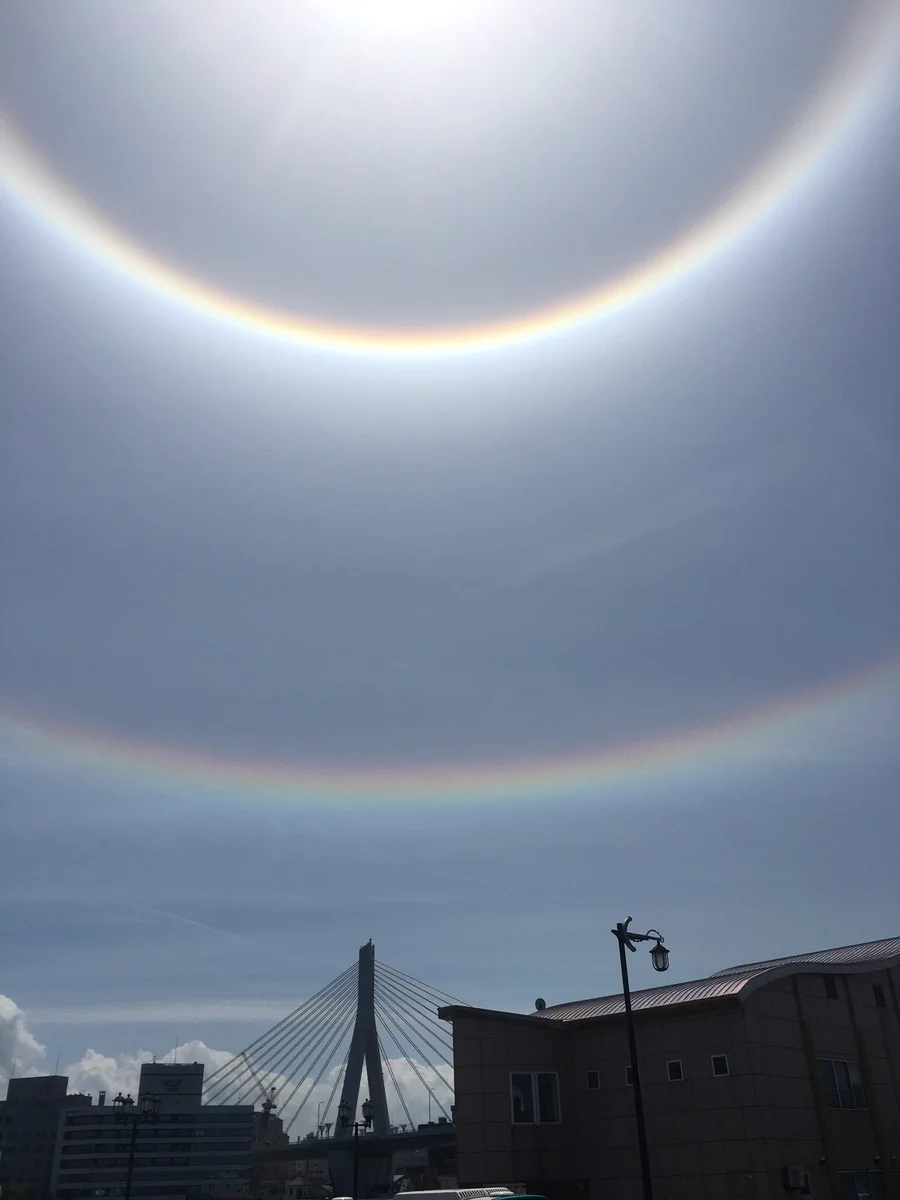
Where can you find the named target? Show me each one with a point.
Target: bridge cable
(305, 1045)
(445, 997)
(425, 1009)
(328, 1052)
(286, 1020)
(433, 1027)
(223, 1079)
(338, 1080)
(396, 1034)
(411, 1032)
(240, 1086)
(304, 1039)
(415, 1032)
(387, 1062)
(433, 1030)
(336, 1024)
(311, 1012)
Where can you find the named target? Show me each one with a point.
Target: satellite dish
(540, 1004)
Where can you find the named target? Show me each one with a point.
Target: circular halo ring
(756, 735)
(863, 66)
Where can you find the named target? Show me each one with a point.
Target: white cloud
(23, 1055)
(20, 1051)
(96, 1071)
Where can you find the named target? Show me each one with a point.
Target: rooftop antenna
(175, 1051)
(56, 1068)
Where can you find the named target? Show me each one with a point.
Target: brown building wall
(711, 1138)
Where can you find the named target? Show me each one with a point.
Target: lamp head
(659, 956)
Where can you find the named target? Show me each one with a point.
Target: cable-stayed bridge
(373, 1020)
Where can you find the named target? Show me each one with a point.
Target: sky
(450, 496)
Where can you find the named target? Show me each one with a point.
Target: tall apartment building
(29, 1117)
(759, 1082)
(191, 1149)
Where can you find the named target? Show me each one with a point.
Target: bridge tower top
(372, 1016)
(364, 1048)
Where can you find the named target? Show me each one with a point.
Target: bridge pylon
(365, 1048)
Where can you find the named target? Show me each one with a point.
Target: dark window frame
(851, 1188)
(846, 1094)
(880, 997)
(831, 988)
(675, 1062)
(592, 1079)
(536, 1099)
(717, 1074)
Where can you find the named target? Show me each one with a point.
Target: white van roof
(483, 1193)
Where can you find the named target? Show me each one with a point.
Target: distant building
(760, 1081)
(29, 1118)
(269, 1177)
(314, 1171)
(192, 1149)
(304, 1189)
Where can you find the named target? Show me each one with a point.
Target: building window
(593, 1081)
(878, 992)
(842, 1084)
(720, 1064)
(861, 1185)
(675, 1070)
(830, 986)
(535, 1097)
(629, 1076)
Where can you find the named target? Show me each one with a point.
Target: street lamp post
(368, 1110)
(128, 1113)
(659, 956)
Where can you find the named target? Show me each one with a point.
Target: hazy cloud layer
(628, 595)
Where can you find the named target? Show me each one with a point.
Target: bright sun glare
(404, 20)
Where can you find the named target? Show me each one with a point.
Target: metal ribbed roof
(661, 997)
(730, 982)
(863, 952)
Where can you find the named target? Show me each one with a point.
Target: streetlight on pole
(659, 956)
(127, 1113)
(368, 1110)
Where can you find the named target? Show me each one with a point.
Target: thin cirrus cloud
(165, 1012)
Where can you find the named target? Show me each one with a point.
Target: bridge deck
(370, 1144)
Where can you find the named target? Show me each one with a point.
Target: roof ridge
(804, 956)
(659, 987)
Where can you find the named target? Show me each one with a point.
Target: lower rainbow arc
(753, 734)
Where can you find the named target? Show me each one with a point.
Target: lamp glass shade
(659, 956)
(368, 1109)
(344, 1113)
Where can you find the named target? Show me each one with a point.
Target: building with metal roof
(759, 1080)
(732, 981)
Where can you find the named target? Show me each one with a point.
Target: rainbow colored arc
(857, 80)
(864, 67)
(747, 737)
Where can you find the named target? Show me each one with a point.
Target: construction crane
(268, 1098)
